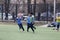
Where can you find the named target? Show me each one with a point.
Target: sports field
(11, 32)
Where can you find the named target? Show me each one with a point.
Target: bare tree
(7, 2)
(29, 5)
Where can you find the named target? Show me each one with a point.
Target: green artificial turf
(11, 32)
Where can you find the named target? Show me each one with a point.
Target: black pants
(58, 26)
(29, 25)
(21, 26)
(33, 26)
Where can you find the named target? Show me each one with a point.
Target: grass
(11, 32)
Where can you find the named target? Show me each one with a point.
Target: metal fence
(42, 12)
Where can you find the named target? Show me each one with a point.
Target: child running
(30, 22)
(18, 19)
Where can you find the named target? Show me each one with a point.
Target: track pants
(21, 26)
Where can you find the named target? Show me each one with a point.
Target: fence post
(47, 12)
(34, 7)
(2, 13)
(7, 2)
(16, 10)
(29, 5)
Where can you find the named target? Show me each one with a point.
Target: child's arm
(33, 20)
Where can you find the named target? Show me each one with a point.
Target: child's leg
(58, 27)
(19, 26)
(28, 27)
(22, 27)
(32, 27)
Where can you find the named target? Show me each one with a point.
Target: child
(19, 22)
(29, 23)
(32, 20)
(58, 22)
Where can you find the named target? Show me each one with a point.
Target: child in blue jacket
(30, 23)
(18, 20)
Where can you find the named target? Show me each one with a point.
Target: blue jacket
(28, 19)
(18, 20)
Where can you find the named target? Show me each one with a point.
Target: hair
(31, 13)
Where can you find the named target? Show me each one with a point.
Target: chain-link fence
(41, 11)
